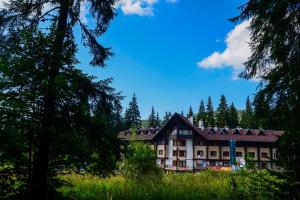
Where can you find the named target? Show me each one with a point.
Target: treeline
(256, 115)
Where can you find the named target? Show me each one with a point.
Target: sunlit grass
(204, 185)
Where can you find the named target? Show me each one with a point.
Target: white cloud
(137, 7)
(236, 53)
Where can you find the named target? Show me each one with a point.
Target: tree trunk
(38, 187)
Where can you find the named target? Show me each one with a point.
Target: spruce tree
(157, 121)
(233, 120)
(210, 118)
(190, 112)
(59, 16)
(166, 118)
(201, 113)
(247, 115)
(222, 113)
(133, 117)
(152, 118)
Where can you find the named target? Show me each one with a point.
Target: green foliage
(201, 115)
(139, 163)
(205, 185)
(87, 113)
(222, 113)
(210, 118)
(132, 116)
(233, 119)
(247, 120)
(275, 45)
(259, 185)
(190, 112)
(151, 119)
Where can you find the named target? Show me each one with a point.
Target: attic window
(261, 132)
(248, 132)
(211, 131)
(224, 131)
(236, 132)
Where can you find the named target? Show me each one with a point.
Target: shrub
(139, 162)
(260, 185)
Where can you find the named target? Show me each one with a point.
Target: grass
(204, 185)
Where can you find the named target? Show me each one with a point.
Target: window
(212, 163)
(225, 153)
(238, 154)
(180, 143)
(264, 155)
(181, 164)
(225, 164)
(251, 154)
(199, 153)
(175, 153)
(213, 153)
(275, 154)
(264, 165)
(161, 152)
(181, 153)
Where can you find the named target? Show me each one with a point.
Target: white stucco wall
(189, 153)
(169, 161)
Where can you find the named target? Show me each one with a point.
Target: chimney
(216, 128)
(226, 128)
(201, 125)
(191, 120)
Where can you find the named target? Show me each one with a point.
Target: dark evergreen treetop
(157, 121)
(233, 120)
(201, 115)
(132, 116)
(247, 120)
(190, 112)
(210, 118)
(222, 113)
(152, 118)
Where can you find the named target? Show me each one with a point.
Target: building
(182, 146)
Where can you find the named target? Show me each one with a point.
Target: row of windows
(214, 154)
(179, 163)
(237, 154)
(179, 153)
(180, 143)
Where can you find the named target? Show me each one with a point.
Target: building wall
(213, 148)
(169, 160)
(189, 153)
(265, 150)
(200, 148)
(253, 149)
(161, 148)
(225, 148)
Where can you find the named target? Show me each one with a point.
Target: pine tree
(222, 113)
(201, 115)
(152, 119)
(61, 17)
(166, 118)
(170, 115)
(233, 120)
(190, 113)
(247, 115)
(132, 116)
(157, 121)
(210, 119)
(262, 113)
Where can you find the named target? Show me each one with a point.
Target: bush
(140, 162)
(260, 185)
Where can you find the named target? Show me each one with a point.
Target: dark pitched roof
(214, 134)
(141, 134)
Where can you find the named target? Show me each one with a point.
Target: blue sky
(172, 54)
